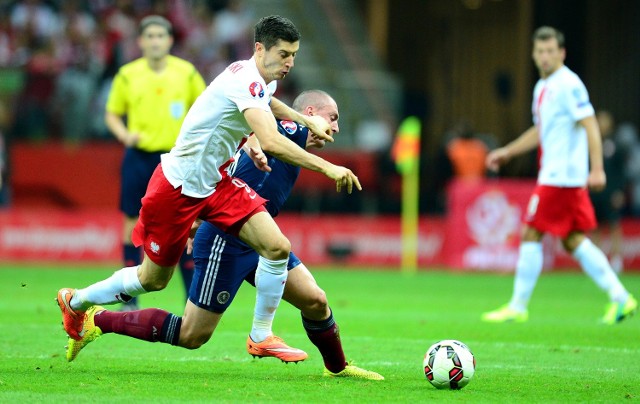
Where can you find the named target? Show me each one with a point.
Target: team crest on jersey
(223, 297)
(155, 247)
(256, 90)
(289, 126)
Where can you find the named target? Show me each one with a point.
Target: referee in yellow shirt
(148, 101)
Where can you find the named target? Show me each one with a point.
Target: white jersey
(559, 102)
(214, 127)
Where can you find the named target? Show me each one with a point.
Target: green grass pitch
(387, 322)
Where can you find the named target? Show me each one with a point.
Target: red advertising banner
(60, 236)
(483, 228)
(481, 232)
(483, 223)
(360, 240)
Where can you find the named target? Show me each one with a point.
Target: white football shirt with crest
(214, 127)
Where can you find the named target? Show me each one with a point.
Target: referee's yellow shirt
(155, 104)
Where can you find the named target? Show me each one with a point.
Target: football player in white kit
(566, 129)
(190, 184)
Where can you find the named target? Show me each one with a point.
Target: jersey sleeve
(249, 91)
(117, 101)
(577, 101)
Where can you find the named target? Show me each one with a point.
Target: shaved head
(313, 98)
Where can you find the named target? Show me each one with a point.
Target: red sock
(325, 335)
(152, 325)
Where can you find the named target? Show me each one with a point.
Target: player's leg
(190, 331)
(122, 286)
(163, 237)
(595, 264)
(238, 210)
(136, 171)
(264, 236)
(528, 269)
(303, 292)
(220, 267)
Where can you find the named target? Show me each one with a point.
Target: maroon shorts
(560, 211)
(167, 215)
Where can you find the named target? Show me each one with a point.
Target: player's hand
(344, 178)
(319, 127)
(259, 159)
(596, 180)
(192, 234)
(496, 158)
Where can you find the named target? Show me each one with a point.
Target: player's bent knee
(278, 249)
(317, 302)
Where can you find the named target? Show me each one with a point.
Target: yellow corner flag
(406, 147)
(406, 154)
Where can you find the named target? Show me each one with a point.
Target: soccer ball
(449, 364)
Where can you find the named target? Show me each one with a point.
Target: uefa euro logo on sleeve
(256, 90)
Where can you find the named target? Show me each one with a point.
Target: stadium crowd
(57, 58)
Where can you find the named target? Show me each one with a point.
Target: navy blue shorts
(137, 168)
(222, 263)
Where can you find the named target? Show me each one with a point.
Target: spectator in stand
(231, 30)
(627, 134)
(36, 17)
(154, 92)
(34, 25)
(609, 203)
(76, 86)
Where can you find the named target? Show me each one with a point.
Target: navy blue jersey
(276, 185)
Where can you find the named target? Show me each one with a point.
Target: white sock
(110, 290)
(271, 277)
(595, 264)
(528, 268)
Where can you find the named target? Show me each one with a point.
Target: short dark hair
(544, 33)
(155, 20)
(273, 28)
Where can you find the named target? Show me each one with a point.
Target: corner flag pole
(406, 153)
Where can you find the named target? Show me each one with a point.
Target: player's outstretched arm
(264, 127)
(316, 124)
(525, 142)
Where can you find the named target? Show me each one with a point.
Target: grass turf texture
(387, 322)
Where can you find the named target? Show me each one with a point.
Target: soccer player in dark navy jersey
(223, 262)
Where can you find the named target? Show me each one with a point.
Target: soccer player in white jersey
(571, 160)
(190, 185)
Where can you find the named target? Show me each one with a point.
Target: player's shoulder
(568, 77)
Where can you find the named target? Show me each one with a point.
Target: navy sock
(171, 330)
